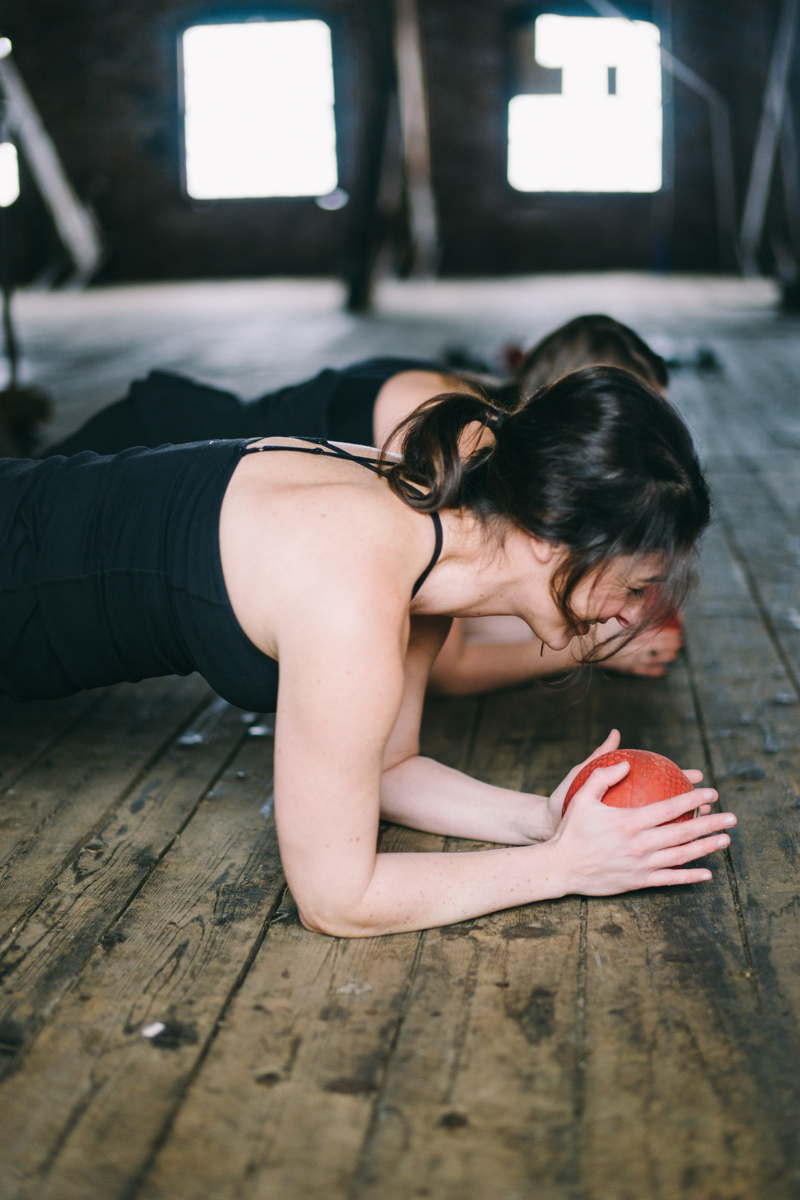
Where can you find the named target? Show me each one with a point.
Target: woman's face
(618, 590)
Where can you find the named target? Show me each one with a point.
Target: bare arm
(464, 668)
(346, 734)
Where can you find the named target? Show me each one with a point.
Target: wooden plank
(748, 416)
(449, 727)
(691, 396)
(521, 1116)
(759, 387)
(86, 743)
(744, 401)
(84, 1113)
(28, 731)
(753, 743)
(767, 546)
(755, 486)
(757, 493)
(744, 651)
(757, 391)
(480, 1149)
(781, 475)
(479, 1098)
(305, 1046)
(742, 417)
(44, 952)
(67, 795)
(678, 1095)
(297, 1066)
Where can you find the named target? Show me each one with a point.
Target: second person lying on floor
(362, 404)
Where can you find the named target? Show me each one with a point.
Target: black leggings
(170, 409)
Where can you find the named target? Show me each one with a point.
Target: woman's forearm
(426, 795)
(418, 891)
(464, 668)
(484, 666)
(596, 851)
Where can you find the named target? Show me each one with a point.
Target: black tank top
(110, 571)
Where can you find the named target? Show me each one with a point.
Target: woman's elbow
(336, 921)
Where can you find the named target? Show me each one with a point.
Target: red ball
(650, 779)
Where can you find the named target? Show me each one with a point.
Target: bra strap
(437, 550)
(321, 446)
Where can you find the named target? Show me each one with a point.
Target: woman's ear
(545, 552)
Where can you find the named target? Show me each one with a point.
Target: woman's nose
(632, 609)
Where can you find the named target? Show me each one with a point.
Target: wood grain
(305, 1047)
(28, 731)
(480, 1095)
(63, 797)
(45, 951)
(87, 1110)
(676, 1099)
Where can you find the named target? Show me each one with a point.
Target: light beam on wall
(258, 110)
(9, 174)
(603, 132)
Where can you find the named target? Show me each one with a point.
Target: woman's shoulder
(305, 537)
(331, 496)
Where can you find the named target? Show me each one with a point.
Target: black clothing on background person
(112, 573)
(336, 404)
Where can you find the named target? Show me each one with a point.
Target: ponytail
(433, 470)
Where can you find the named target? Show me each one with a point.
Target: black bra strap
(331, 450)
(320, 446)
(437, 550)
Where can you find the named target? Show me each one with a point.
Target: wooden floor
(643, 1047)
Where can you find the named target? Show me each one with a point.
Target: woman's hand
(604, 850)
(647, 654)
(556, 802)
(557, 797)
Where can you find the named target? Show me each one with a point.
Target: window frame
(257, 16)
(525, 15)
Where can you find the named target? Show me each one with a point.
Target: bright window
(603, 132)
(9, 174)
(258, 110)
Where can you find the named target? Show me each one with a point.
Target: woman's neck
(487, 570)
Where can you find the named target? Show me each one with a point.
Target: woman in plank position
(362, 404)
(232, 557)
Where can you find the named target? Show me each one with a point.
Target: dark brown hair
(598, 462)
(592, 340)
